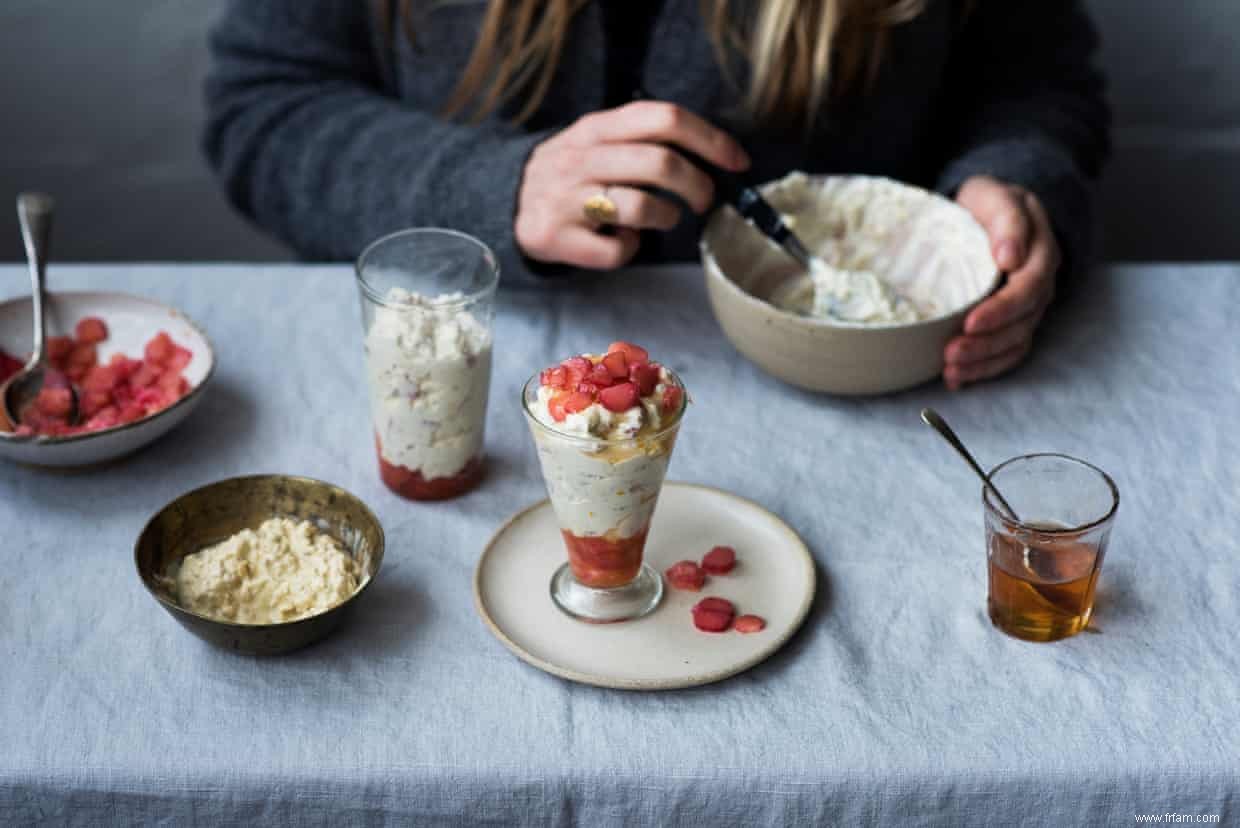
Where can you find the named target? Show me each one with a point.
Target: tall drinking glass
(1043, 569)
(428, 300)
(604, 492)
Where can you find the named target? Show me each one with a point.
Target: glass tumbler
(1043, 568)
(428, 299)
(603, 493)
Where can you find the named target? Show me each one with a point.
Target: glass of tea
(1043, 568)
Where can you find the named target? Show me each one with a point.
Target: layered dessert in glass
(604, 426)
(427, 306)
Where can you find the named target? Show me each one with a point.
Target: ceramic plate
(774, 578)
(131, 321)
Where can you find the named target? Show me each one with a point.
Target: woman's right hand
(614, 153)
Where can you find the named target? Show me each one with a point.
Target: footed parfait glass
(604, 492)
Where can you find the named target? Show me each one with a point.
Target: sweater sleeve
(1027, 106)
(309, 144)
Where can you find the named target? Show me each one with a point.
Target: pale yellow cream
(282, 571)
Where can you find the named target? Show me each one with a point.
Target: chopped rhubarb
(577, 402)
(109, 394)
(600, 376)
(83, 356)
(619, 398)
(91, 403)
(123, 365)
(673, 395)
(54, 402)
(154, 399)
(645, 376)
(555, 406)
(56, 379)
(713, 614)
(100, 378)
(617, 365)
(181, 357)
(90, 330)
(750, 624)
(58, 348)
(686, 575)
(104, 418)
(633, 354)
(720, 560)
(556, 377)
(159, 349)
(146, 374)
(577, 368)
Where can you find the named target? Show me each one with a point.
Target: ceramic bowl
(216, 512)
(743, 270)
(132, 322)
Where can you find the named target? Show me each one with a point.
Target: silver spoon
(932, 419)
(35, 212)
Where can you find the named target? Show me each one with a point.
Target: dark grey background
(102, 105)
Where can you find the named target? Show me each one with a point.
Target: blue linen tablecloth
(897, 703)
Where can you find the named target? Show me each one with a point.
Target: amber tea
(1043, 568)
(1042, 590)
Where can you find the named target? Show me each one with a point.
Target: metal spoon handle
(932, 419)
(34, 210)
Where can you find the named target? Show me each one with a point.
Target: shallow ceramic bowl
(131, 322)
(216, 512)
(743, 270)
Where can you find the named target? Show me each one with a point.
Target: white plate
(131, 322)
(774, 578)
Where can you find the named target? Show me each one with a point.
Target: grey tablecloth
(896, 704)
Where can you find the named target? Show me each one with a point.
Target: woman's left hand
(998, 333)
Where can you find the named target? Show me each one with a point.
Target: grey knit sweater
(326, 132)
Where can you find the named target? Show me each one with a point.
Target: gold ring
(600, 209)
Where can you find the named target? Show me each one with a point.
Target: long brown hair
(797, 51)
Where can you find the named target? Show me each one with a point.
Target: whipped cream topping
(429, 366)
(849, 240)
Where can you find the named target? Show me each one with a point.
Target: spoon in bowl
(35, 212)
(931, 418)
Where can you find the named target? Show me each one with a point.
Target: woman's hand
(998, 333)
(614, 152)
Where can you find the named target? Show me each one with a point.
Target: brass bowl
(215, 512)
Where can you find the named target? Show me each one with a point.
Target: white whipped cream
(429, 367)
(610, 483)
(851, 295)
(282, 571)
(848, 240)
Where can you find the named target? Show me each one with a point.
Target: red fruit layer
(411, 485)
(604, 561)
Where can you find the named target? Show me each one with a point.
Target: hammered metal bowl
(215, 512)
